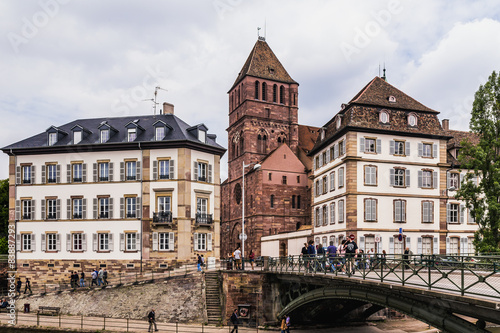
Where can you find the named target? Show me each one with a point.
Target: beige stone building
(128, 193)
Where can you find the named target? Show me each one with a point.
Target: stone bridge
(330, 298)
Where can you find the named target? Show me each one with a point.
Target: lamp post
(243, 236)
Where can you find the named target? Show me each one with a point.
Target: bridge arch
(434, 313)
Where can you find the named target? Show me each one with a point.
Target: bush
(4, 245)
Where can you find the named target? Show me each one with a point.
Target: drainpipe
(141, 200)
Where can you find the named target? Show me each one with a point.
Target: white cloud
(91, 56)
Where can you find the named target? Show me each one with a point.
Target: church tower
(263, 120)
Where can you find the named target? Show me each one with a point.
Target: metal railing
(113, 280)
(162, 217)
(466, 275)
(80, 322)
(204, 218)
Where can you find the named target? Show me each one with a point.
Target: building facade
(263, 129)
(127, 193)
(383, 167)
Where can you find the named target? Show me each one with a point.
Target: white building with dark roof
(381, 166)
(125, 193)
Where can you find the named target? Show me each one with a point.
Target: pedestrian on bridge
(406, 258)
(332, 253)
(351, 251)
(237, 258)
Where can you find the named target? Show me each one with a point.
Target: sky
(63, 60)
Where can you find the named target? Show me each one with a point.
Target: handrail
(466, 275)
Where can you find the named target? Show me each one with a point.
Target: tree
(4, 207)
(4, 215)
(481, 187)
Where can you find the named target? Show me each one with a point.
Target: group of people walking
(27, 286)
(342, 257)
(98, 277)
(237, 258)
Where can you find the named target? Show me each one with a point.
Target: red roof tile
(263, 63)
(377, 93)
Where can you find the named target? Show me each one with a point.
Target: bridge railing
(466, 275)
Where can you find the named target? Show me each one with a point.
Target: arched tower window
(235, 144)
(238, 96)
(275, 93)
(262, 142)
(282, 94)
(232, 103)
(282, 137)
(264, 91)
(241, 93)
(242, 144)
(257, 84)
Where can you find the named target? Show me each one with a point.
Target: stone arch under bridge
(440, 310)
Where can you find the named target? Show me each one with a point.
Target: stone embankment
(176, 299)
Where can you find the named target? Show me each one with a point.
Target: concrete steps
(212, 298)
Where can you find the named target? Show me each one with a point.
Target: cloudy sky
(62, 60)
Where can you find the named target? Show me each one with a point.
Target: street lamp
(243, 236)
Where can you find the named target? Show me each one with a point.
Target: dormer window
(384, 117)
(159, 133)
(392, 99)
(412, 120)
(202, 136)
(322, 134)
(131, 134)
(104, 135)
(339, 122)
(77, 137)
(52, 138)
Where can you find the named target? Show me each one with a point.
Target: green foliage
(4, 245)
(4, 207)
(483, 196)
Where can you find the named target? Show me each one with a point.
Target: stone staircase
(212, 296)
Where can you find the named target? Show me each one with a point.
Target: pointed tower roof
(379, 92)
(263, 63)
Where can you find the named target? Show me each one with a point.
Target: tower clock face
(237, 193)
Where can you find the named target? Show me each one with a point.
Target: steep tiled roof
(363, 111)
(456, 142)
(378, 91)
(177, 130)
(459, 136)
(307, 137)
(263, 63)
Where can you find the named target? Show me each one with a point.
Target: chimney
(168, 108)
(446, 124)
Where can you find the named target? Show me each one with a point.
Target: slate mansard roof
(362, 114)
(177, 134)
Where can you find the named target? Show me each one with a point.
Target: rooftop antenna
(258, 32)
(154, 99)
(384, 77)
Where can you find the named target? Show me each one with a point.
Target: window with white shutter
(399, 211)
(332, 213)
(341, 177)
(341, 211)
(427, 211)
(370, 209)
(332, 181)
(370, 175)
